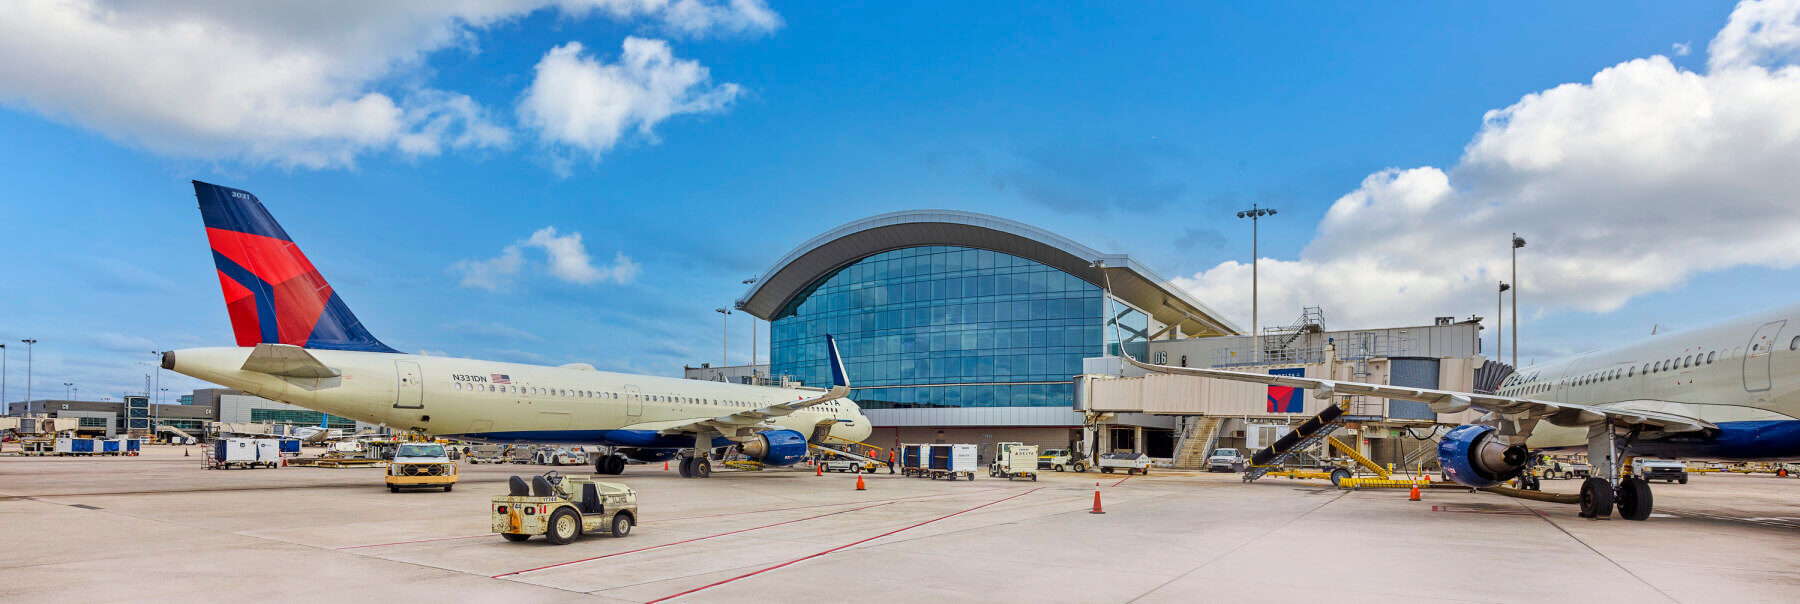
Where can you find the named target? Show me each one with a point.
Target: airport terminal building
(963, 327)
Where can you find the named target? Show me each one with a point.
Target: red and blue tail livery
(272, 291)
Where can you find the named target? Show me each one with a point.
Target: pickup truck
(1662, 469)
(1224, 460)
(1059, 460)
(1554, 469)
(425, 465)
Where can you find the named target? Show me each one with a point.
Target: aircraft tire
(1596, 497)
(1634, 499)
(702, 467)
(686, 467)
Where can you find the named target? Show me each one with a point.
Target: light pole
(2, 375)
(68, 390)
(1517, 243)
(1254, 214)
(751, 280)
(158, 365)
(724, 336)
(1500, 320)
(28, 345)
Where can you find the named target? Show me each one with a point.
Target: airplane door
(634, 401)
(1757, 360)
(409, 391)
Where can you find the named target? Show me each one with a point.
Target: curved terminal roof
(834, 249)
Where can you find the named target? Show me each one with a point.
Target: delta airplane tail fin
(274, 295)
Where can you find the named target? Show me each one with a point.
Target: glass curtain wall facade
(945, 326)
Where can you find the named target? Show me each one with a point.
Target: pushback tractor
(562, 509)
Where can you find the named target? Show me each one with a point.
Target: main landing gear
(696, 467)
(610, 464)
(1630, 494)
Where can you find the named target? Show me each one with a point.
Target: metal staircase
(1318, 436)
(1276, 340)
(1197, 443)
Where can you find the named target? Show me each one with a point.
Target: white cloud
(578, 103)
(1681, 49)
(1759, 32)
(1625, 185)
(312, 84)
(566, 259)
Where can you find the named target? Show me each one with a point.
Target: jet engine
(1473, 455)
(776, 447)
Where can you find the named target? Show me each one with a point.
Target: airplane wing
(288, 361)
(1449, 401)
(728, 424)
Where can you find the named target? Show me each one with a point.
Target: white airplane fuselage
(1742, 374)
(509, 402)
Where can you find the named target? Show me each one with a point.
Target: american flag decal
(501, 378)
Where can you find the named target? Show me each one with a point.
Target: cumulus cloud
(1625, 185)
(577, 103)
(313, 84)
(565, 258)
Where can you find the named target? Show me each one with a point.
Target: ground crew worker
(891, 458)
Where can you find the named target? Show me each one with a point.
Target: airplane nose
(168, 361)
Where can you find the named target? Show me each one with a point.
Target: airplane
(1727, 391)
(298, 343)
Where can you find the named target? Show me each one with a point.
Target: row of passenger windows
(1683, 362)
(652, 398)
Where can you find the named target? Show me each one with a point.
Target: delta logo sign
(1283, 399)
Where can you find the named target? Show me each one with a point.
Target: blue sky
(1132, 128)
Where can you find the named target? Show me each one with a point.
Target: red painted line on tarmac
(799, 560)
(1122, 481)
(803, 507)
(415, 541)
(559, 564)
(808, 507)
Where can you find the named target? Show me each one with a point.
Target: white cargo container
(950, 461)
(68, 445)
(244, 453)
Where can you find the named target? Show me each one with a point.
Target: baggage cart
(228, 453)
(68, 445)
(912, 460)
(1130, 463)
(951, 461)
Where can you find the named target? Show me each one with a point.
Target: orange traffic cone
(187, 452)
(1415, 493)
(859, 483)
(284, 462)
(1096, 509)
(665, 465)
(819, 470)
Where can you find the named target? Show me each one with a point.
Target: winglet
(838, 376)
